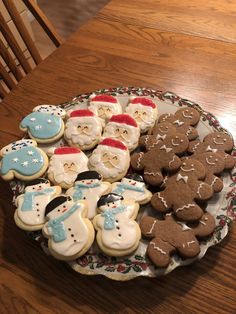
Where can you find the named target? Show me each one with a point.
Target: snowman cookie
(118, 233)
(69, 233)
(30, 211)
(132, 187)
(144, 111)
(89, 186)
(111, 159)
(124, 128)
(22, 160)
(65, 164)
(44, 124)
(104, 106)
(83, 129)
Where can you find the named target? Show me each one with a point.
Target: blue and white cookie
(45, 124)
(22, 160)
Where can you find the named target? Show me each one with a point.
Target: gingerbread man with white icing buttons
(217, 142)
(168, 236)
(161, 157)
(184, 120)
(181, 191)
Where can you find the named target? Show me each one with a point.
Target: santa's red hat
(124, 119)
(104, 98)
(143, 101)
(113, 143)
(81, 113)
(66, 150)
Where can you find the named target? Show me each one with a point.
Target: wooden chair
(18, 66)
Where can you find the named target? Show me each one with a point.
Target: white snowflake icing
(25, 163)
(35, 161)
(38, 127)
(49, 121)
(30, 152)
(15, 159)
(32, 119)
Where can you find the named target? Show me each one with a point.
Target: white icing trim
(180, 177)
(187, 170)
(210, 163)
(190, 242)
(195, 146)
(173, 143)
(202, 222)
(157, 248)
(173, 159)
(186, 116)
(199, 188)
(214, 181)
(162, 200)
(152, 227)
(178, 122)
(167, 149)
(184, 207)
(152, 173)
(217, 143)
(139, 159)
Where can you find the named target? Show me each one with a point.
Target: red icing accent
(66, 150)
(81, 113)
(105, 98)
(124, 118)
(143, 101)
(113, 143)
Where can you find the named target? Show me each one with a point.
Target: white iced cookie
(90, 187)
(45, 124)
(144, 111)
(65, 164)
(104, 106)
(111, 159)
(132, 187)
(83, 129)
(30, 211)
(118, 233)
(69, 233)
(124, 128)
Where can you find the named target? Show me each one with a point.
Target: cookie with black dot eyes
(31, 205)
(118, 233)
(45, 124)
(22, 160)
(217, 142)
(70, 234)
(182, 190)
(83, 129)
(163, 156)
(184, 120)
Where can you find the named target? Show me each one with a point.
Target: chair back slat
(6, 77)
(3, 92)
(12, 10)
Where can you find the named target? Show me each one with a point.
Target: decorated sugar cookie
(89, 186)
(111, 159)
(83, 129)
(118, 234)
(65, 164)
(132, 187)
(104, 106)
(30, 212)
(23, 160)
(69, 233)
(144, 111)
(44, 124)
(124, 128)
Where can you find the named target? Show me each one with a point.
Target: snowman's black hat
(109, 198)
(86, 175)
(56, 202)
(36, 182)
(135, 177)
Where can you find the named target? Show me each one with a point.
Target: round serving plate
(222, 206)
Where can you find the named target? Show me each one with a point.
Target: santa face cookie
(69, 233)
(118, 234)
(132, 187)
(144, 111)
(89, 186)
(104, 106)
(44, 124)
(83, 129)
(124, 128)
(111, 159)
(23, 160)
(30, 212)
(65, 164)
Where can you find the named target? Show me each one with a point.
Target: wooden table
(187, 47)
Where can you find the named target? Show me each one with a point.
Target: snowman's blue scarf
(79, 187)
(58, 227)
(121, 187)
(109, 215)
(29, 198)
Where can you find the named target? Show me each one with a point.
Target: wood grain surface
(181, 46)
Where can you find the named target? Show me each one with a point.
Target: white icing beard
(130, 140)
(100, 167)
(115, 108)
(94, 131)
(56, 167)
(148, 120)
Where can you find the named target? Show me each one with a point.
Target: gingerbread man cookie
(217, 142)
(162, 156)
(168, 236)
(181, 191)
(184, 119)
